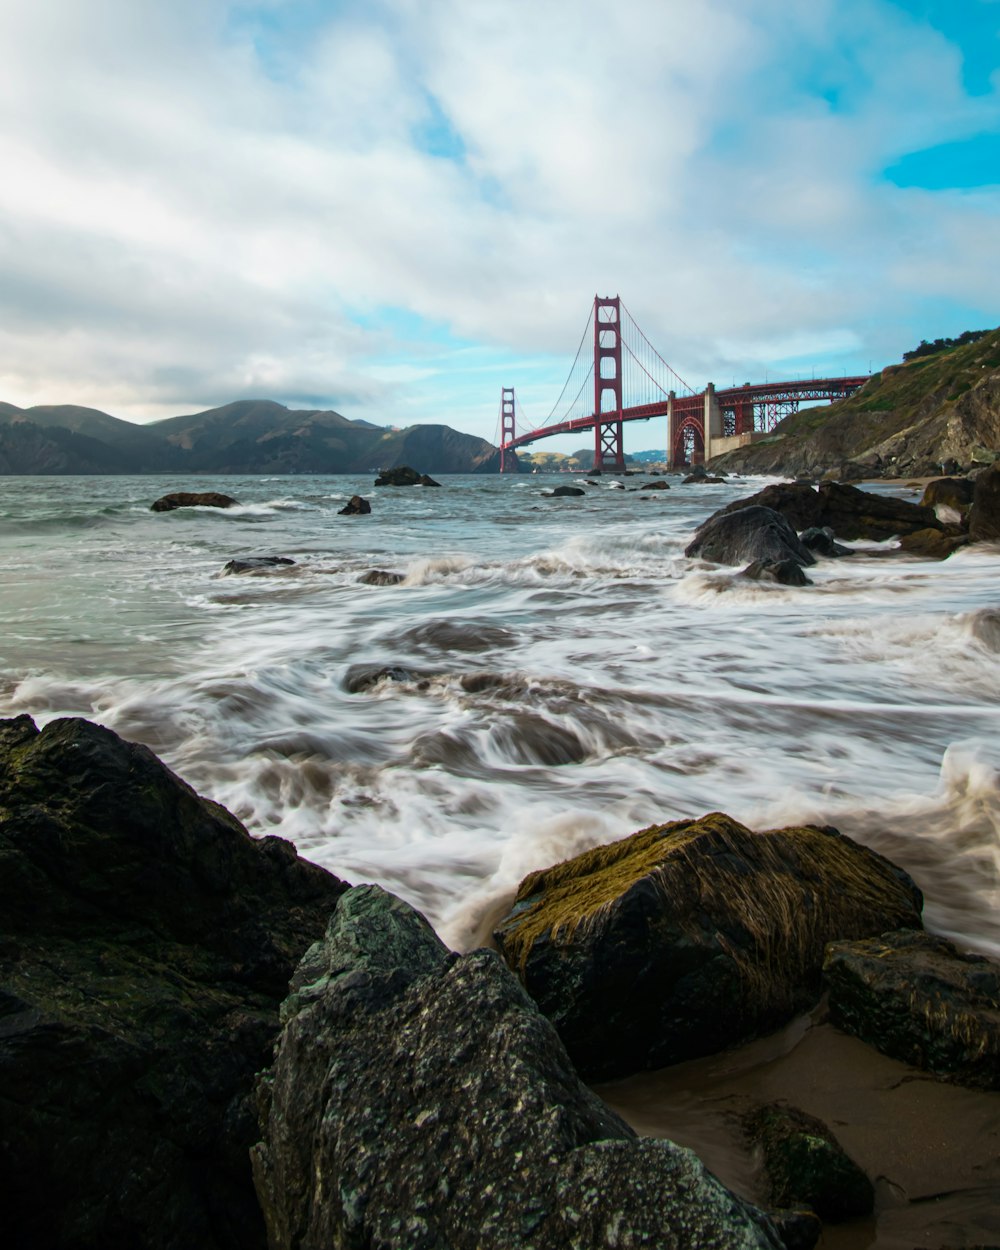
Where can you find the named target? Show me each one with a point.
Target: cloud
(203, 201)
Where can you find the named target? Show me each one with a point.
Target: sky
(393, 208)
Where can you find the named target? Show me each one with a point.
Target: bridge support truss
(609, 451)
(508, 431)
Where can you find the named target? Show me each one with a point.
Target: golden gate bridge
(624, 378)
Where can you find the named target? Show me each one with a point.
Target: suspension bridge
(625, 378)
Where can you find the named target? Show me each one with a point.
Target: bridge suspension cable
(575, 369)
(638, 346)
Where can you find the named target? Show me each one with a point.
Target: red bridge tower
(608, 448)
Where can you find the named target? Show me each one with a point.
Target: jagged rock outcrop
(917, 998)
(192, 499)
(748, 535)
(950, 497)
(147, 941)
(420, 1099)
(687, 937)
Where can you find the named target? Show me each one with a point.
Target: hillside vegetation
(912, 419)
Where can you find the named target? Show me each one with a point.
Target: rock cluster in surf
(416, 1097)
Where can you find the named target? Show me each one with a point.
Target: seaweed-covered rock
(147, 941)
(934, 544)
(357, 505)
(747, 535)
(420, 1100)
(917, 998)
(190, 499)
(689, 936)
(984, 515)
(805, 1164)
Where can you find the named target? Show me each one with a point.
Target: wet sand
(931, 1149)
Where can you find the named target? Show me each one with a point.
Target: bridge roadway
(700, 423)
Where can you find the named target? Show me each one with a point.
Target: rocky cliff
(934, 414)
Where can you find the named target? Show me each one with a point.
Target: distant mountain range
(249, 436)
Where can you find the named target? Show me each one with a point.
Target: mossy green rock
(419, 1099)
(688, 937)
(806, 1165)
(919, 999)
(146, 943)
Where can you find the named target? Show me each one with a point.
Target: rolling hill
(248, 436)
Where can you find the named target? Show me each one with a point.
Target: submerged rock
(783, 572)
(255, 564)
(687, 937)
(748, 535)
(185, 499)
(419, 1099)
(806, 1165)
(362, 677)
(381, 577)
(147, 943)
(915, 997)
(566, 492)
(355, 506)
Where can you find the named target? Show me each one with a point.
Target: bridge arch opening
(689, 443)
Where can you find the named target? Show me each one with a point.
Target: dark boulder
(782, 572)
(984, 515)
(702, 479)
(949, 492)
(748, 535)
(427, 481)
(147, 944)
(689, 936)
(566, 492)
(355, 506)
(402, 475)
(806, 1165)
(847, 511)
(381, 577)
(255, 564)
(916, 998)
(184, 499)
(820, 541)
(853, 513)
(658, 486)
(418, 1099)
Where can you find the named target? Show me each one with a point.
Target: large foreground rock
(747, 536)
(689, 936)
(420, 1100)
(147, 941)
(917, 998)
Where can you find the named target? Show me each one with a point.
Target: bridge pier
(508, 459)
(712, 419)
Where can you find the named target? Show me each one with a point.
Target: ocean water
(562, 676)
